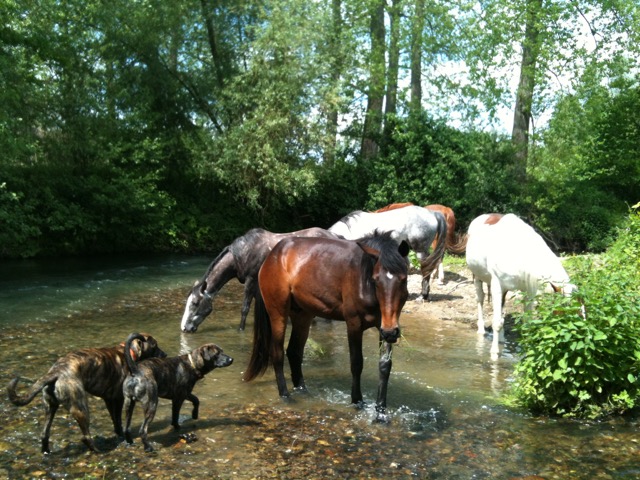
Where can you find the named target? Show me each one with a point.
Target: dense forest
(176, 126)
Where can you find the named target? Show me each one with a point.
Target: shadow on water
(447, 421)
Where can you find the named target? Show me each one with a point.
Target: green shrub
(586, 366)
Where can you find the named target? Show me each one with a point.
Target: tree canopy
(154, 125)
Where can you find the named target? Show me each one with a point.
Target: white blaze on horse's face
(187, 312)
(390, 275)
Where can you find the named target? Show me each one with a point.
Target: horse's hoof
(301, 389)
(382, 417)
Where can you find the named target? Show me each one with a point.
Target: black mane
(390, 256)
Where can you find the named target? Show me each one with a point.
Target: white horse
(508, 255)
(416, 225)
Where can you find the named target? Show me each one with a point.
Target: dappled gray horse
(241, 259)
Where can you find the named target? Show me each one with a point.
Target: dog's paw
(188, 437)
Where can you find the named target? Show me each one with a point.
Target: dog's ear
(136, 348)
(210, 353)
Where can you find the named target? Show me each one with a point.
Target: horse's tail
(429, 264)
(459, 246)
(130, 351)
(22, 400)
(260, 355)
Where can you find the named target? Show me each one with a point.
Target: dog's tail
(260, 357)
(22, 400)
(131, 351)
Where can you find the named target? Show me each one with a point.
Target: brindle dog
(95, 371)
(171, 378)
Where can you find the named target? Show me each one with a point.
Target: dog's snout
(224, 360)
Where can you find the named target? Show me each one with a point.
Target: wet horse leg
(295, 350)
(385, 371)
(250, 291)
(480, 301)
(497, 296)
(278, 330)
(357, 362)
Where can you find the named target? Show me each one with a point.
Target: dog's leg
(51, 405)
(196, 404)
(149, 408)
(129, 405)
(79, 409)
(115, 411)
(176, 405)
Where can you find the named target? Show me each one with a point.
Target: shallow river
(447, 421)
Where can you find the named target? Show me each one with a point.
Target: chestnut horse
(363, 283)
(415, 225)
(507, 254)
(455, 243)
(241, 259)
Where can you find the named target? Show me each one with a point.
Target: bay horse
(455, 243)
(508, 255)
(241, 259)
(415, 225)
(363, 283)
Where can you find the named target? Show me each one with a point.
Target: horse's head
(199, 305)
(390, 277)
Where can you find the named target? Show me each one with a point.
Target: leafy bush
(427, 162)
(586, 366)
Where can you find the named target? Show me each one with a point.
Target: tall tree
(417, 28)
(394, 57)
(377, 78)
(526, 85)
(335, 68)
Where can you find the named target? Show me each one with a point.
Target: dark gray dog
(95, 371)
(172, 378)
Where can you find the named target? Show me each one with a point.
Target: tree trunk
(336, 68)
(417, 26)
(526, 86)
(373, 117)
(392, 74)
(207, 13)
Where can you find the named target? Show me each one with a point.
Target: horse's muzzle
(190, 328)
(391, 335)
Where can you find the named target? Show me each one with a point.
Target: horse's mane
(350, 216)
(215, 261)
(389, 255)
(393, 206)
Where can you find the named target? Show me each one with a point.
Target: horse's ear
(403, 248)
(203, 287)
(370, 251)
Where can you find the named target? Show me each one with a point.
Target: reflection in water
(446, 417)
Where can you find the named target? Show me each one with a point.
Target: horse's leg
(250, 291)
(383, 382)
(498, 320)
(278, 330)
(355, 353)
(480, 301)
(440, 274)
(299, 333)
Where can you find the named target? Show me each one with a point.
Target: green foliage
(588, 172)
(429, 162)
(586, 367)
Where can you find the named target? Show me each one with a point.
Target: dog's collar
(193, 365)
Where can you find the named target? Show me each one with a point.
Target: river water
(447, 419)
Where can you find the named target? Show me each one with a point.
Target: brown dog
(171, 378)
(95, 371)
